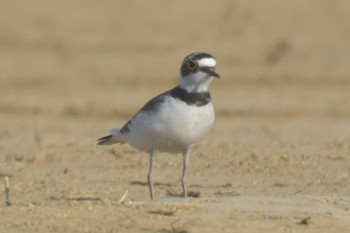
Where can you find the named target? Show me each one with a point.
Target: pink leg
(186, 155)
(152, 155)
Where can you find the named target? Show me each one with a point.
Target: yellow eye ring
(192, 65)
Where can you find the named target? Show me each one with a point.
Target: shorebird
(175, 120)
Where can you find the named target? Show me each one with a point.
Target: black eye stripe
(206, 69)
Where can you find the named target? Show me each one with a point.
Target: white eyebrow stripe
(207, 62)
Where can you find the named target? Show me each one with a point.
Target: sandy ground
(276, 160)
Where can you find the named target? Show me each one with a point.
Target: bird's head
(197, 71)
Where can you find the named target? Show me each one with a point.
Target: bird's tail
(110, 139)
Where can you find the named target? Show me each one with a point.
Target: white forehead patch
(209, 61)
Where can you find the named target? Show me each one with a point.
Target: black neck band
(197, 98)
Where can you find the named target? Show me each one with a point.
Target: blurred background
(78, 68)
(63, 57)
(71, 70)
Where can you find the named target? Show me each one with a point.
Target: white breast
(173, 127)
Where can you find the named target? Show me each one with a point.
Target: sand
(276, 160)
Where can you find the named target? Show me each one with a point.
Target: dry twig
(7, 191)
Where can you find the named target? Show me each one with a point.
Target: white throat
(197, 82)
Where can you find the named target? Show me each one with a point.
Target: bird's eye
(192, 64)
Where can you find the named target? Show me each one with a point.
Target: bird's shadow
(168, 187)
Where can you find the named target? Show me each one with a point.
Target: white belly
(172, 128)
